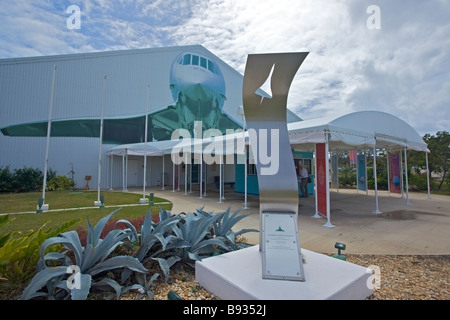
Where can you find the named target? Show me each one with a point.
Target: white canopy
(363, 129)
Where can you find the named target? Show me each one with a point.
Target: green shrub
(6, 180)
(59, 183)
(27, 179)
(20, 253)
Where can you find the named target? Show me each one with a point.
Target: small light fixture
(340, 246)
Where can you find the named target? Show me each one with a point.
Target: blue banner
(361, 172)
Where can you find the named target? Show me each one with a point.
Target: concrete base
(44, 207)
(238, 276)
(97, 203)
(143, 200)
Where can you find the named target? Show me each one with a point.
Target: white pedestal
(238, 276)
(143, 200)
(97, 203)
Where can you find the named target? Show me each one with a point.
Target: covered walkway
(364, 130)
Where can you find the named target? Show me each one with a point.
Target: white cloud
(401, 69)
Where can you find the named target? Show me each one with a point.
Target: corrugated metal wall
(25, 88)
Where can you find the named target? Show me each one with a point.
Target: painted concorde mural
(198, 90)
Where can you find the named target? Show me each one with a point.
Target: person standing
(304, 181)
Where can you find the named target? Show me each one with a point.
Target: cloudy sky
(391, 55)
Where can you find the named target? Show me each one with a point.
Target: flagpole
(99, 202)
(143, 199)
(47, 143)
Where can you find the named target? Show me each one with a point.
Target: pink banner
(321, 178)
(394, 173)
(352, 156)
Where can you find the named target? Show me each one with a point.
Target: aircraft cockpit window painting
(204, 62)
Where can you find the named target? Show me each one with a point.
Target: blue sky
(401, 68)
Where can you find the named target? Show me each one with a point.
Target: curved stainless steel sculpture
(267, 127)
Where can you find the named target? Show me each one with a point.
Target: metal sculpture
(277, 179)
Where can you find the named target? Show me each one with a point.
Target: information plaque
(282, 258)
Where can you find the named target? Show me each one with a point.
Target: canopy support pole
(126, 172)
(190, 176)
(401, 170)
(173, 176)
(223, 177)
(375, 178)
(408, 203)
(388, 173)
(327, 179)
(245, 175)
(316, 214)
(111, 163)
(162, 179)
(201, 175)
(185, 173)
(220, 179)
(179, 177)
(365, 169)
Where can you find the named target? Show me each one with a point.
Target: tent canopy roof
(363, 128)
(358, 129)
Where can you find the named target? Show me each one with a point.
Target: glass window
(203, 62)
(211, 66)
(251, 169)
(187, 59)
(195, 60)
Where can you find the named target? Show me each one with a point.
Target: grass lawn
(27, 202)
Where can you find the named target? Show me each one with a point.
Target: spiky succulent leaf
(40, 280)
(117, 263)
(94, 233)
(131, 231)
(69, 240)
(81, 290)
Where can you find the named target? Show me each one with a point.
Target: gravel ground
(402, 277)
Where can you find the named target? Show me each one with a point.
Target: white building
(175, 86)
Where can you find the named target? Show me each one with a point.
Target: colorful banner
(352, 156)
(394, 173)
(361, 172)
(321, 178)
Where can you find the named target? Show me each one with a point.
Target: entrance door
(195, 173)
(133, 167)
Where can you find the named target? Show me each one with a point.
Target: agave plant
(74, 272)
(153, 234)
(223, 227)
(193, 238)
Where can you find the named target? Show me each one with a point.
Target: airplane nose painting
(198, 89)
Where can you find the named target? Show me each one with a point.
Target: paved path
(422, 227)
